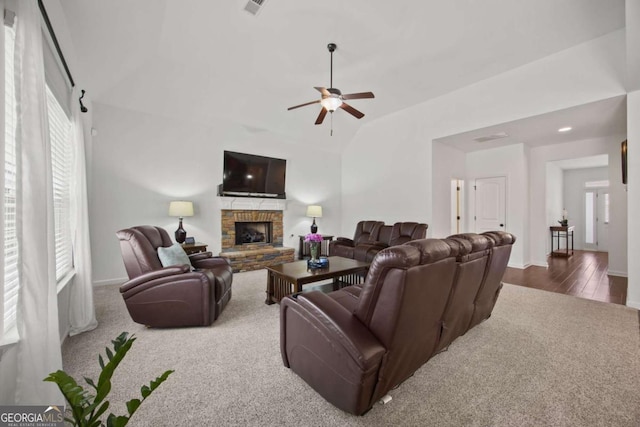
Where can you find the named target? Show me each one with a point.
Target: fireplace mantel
(254, 204)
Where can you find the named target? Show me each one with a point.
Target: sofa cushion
(173, 255)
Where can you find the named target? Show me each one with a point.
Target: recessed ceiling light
(565, 129)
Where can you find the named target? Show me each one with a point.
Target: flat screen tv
(249, 175)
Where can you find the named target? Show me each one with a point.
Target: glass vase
(314, 249)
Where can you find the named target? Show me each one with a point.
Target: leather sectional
(355, 344)
(371, 237)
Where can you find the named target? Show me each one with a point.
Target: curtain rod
(55, 41)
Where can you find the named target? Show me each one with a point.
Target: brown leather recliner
(172, 296)
(344, 246)
(355, 344)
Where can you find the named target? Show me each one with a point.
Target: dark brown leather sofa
(355, 344)
(378, 236)
(345, 247)
(172, 296)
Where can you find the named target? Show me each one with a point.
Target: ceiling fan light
(331, 103)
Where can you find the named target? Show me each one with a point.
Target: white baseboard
(519, 266)
(634, 304)
(544, 264)
(617, 273)
(108, 282)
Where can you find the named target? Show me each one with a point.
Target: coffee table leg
(270, 286)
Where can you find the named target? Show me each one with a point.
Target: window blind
(59, 133)
(11, 247)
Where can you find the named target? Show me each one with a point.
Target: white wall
(633, 187)
(451, 165)
(510, 162)
(141, 162)
(387, 168)
(554, 198)
(573, 196)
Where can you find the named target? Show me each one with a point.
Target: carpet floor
(542, 359)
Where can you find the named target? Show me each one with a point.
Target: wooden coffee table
(286, 279)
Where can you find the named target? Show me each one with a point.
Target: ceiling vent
(491, 137)
(254, 6)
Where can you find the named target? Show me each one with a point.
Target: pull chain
(331, 124)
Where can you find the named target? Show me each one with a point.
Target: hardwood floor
(583, 275)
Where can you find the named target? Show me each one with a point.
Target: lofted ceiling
(210, 61)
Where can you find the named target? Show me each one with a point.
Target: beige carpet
(542, 359)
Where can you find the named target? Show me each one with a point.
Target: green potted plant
(87, 406)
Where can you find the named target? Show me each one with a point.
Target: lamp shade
(181, 208)
(314, 211)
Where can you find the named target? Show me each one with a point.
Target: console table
(558, 233)
(304, 251)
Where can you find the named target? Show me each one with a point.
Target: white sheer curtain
(38, 351)
(81, 309)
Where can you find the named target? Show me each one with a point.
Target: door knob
(501, 225)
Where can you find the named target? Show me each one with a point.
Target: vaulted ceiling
(208, 61)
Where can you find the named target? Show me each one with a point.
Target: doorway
(457, 206)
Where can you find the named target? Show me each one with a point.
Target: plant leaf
(120, 421)
(90, 382)
(146, 391)
(133, 405)
(72, 392)
(109, 353)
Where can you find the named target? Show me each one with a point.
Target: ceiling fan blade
(360, 95)
(349, 109)
(320, 118)
(302, 105)
(322, 90)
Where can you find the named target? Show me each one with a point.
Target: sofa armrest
(152, 275)
(377, 244)
(322, 319)
(343, 241)
(182, 282)
(208, 262)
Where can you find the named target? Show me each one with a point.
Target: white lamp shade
(314, 211)
(181, 208)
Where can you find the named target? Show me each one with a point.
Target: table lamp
(314, 211)
(180, 209)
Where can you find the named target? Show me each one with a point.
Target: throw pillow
(173, 255)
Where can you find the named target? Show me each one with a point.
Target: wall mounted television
(249, 175)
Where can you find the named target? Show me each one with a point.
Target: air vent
(491, 137)
(254, 6)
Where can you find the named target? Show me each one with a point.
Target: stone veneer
(253, 256)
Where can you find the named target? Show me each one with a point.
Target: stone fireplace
(252, 239)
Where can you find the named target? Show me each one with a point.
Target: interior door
(490, 204)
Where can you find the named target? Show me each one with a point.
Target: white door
(490, 204)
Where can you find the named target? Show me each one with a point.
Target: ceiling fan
(331, 98)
